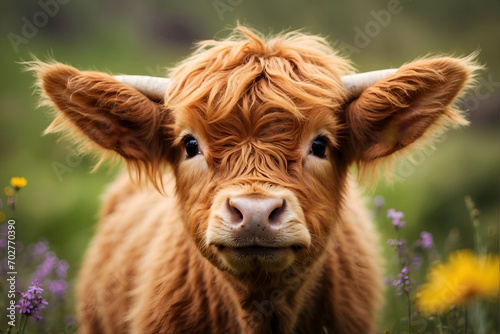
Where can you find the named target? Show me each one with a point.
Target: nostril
(254, 212)
(236, 215)
(275, 216)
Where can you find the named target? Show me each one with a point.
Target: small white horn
(355, 84)
(152, 87)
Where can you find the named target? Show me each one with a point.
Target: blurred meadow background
(61, 200)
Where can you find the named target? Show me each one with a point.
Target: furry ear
(403, 108)
(111, 114)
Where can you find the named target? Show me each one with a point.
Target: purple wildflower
(30, 303)
(403, 281)
(62, 268)
(47, 266)
(396, 217)
(28, 295)
(416, 261)
(35, 287)
(426, 240)
(58, 288)
(41, 302)
(24, 306)
(398, 223)
(40, 247)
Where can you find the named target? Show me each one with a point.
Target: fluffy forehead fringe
(290, 71)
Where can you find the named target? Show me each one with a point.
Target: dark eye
(318, 147)
(191, 147)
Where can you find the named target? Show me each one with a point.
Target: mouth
(254, 257)
(258, 251)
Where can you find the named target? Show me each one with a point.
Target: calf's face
(259, 189)
(258, 168)
(260, 136)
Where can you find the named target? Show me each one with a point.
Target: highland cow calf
(251, 222)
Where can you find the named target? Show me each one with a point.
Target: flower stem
(455, 318)
(474, 218)
(12, 204)
(445, 324)
(466, 319)
(409, 312)
(440, 326)
(22, 325)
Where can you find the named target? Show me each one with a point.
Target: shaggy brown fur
(157, 263)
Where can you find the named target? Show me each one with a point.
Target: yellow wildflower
(465, 276)
(18, 182)
(8, 191)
